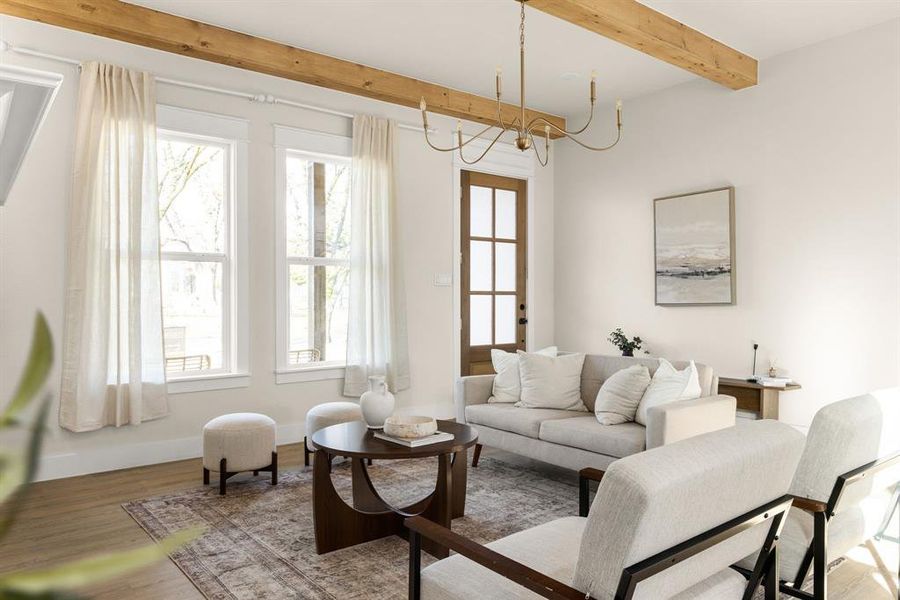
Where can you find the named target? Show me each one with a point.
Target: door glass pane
(506, 267)
(480, 333)
(192, 196)
(506, 214)
(505, 320)
(481, 212)
(480, 267)
(192, 315)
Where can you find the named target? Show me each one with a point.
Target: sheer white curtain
(376, 343)
(113, 364)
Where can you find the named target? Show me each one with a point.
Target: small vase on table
(377, 404)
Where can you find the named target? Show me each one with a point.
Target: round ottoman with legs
(239, 442)
(323, 415)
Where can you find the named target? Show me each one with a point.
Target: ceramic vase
(377, 404)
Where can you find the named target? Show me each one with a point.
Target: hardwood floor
(72, 518)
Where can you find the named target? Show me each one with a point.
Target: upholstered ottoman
(323, 415)
(239, 442)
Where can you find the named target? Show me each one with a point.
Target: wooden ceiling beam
(163, 31)
(642, 28)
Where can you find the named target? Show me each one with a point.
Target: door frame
(507, 161)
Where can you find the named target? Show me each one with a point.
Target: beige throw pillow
(669, 385)
(620, 395)
(507, 385)
(551, 382)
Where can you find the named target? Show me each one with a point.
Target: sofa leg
(305, 452)
(476, 455)
(205, 476)
(274, 468)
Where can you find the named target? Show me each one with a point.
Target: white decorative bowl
(410, 428)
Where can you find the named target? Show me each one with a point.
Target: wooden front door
(493, 272)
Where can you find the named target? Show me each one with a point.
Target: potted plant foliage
(621, 341)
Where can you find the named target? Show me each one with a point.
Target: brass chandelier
(523, 129)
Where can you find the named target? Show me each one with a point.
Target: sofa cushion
(598, 368)
(551, 548)
(669, 385)
(586, 433)
(551, 382)
(620, 395)
(507, 383)
(506, 417)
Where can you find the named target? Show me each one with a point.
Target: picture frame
(694, 249)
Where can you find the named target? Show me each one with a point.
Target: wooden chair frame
(765, 570)
(817, 553)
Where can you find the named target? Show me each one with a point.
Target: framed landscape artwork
(694, 248)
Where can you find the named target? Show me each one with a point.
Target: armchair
(844, 487)
(650, 534)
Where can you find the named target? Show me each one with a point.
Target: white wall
(33, 233)
(814, 156)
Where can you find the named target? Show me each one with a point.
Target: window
(314, 253)
(200, 177)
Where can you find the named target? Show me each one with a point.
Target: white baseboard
(99, 460)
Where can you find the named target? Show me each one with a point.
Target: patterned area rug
(260, 541)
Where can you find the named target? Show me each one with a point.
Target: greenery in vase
(18, 470)
(621, 341)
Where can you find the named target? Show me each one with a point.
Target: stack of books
(778, 382)
(435, 438)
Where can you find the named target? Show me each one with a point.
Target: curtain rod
(260, 98)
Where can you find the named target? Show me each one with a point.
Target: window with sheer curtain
(201, 170)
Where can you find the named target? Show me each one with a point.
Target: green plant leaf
(31, 466)
(97, 568)
(12, 474)
(37, 367)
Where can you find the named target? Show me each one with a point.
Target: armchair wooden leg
(305, 452)
(476, 455)
(415, 565)
(205, 476)
(820, 556)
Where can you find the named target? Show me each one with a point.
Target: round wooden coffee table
(339, 525)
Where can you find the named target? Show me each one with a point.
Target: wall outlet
(443, 279)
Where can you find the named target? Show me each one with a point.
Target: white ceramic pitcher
(378, 403)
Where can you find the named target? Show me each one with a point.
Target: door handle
(522, 320)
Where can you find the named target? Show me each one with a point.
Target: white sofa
(666, 523)
(573, 439)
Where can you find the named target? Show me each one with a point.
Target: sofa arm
(686, 418)
(474, 389)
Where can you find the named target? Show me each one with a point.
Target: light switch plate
(443, 279)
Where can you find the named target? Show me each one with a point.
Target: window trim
(290, 141)
(232, 133)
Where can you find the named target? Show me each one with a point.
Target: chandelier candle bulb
(499, 81)
(593, 86)
(422, 105)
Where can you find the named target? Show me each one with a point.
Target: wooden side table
(754, 397)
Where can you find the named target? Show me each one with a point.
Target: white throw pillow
(619, 396)
(551, 382)
(507, 385)
(669, 385)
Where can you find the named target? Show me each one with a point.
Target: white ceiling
(458, 43)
